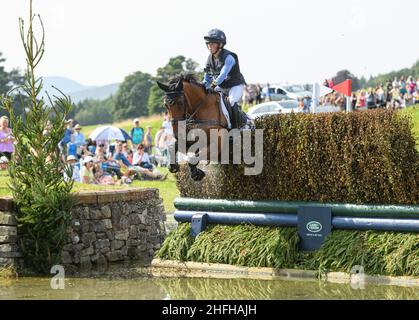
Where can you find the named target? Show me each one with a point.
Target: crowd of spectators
(117, 162)
(396, 94)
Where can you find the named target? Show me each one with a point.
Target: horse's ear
(179, 85)
(163, 86)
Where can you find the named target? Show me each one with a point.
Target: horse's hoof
(198, 175)
(173, 168)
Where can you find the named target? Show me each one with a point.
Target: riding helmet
(216, 35)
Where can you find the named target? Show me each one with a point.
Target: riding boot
(235, 112)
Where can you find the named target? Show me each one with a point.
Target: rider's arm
(207, 80)
(229, 63)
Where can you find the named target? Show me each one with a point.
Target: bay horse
(188, 102)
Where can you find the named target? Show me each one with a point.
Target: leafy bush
(367, 157)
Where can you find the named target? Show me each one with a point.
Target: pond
(196, 288)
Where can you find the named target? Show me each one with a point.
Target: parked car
(285, 92)
(273, 107)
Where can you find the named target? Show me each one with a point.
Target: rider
(222, 71)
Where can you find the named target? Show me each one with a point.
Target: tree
(92, 111)
(132, 96)
(42, 196)
(8, 79)
(175, 66)
(381, 79)
(347, 75)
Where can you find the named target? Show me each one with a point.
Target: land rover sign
(314, 224)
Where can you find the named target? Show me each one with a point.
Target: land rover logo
(314, 226)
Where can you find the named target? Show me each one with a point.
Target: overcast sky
(98, 42)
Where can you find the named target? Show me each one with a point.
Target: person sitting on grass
(86, 172)
(102, 177)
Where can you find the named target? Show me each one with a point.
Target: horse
(187, 101)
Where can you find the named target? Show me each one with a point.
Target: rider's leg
(234, 96)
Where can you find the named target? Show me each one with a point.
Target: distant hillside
(383, 78)
(75, 90)
(64, 84)
(97, 93)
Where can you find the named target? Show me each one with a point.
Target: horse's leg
(173, 164)
(197, 174)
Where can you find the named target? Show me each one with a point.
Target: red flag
(344, 87)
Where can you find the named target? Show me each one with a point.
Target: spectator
(78, 138)
(142, 158)
(258, 94)
(148, 140)
(167, 124)
(66, 139)
(6, 138)
(75, 165)
(86, 172)
(370, 99)
(137, 133)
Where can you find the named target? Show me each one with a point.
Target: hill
(76, 90)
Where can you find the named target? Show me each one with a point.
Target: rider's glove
(213, 84)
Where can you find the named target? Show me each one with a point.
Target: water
(196, 288)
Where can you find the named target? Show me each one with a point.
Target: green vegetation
(385, 253)
(359, 157)
(378, 156)
(42, 197)
(383, 78)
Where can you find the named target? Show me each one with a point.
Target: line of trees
(138, 95)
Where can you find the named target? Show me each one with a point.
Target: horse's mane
(184, 76)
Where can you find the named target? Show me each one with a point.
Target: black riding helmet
(216, 35)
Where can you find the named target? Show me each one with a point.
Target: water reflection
(196, 288)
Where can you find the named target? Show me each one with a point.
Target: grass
(384, 253)
(167, 188)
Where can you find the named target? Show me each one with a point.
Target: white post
(315, 97)
(349, 104)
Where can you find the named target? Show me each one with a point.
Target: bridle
(170, 99)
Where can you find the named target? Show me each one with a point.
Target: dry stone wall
(107, 227)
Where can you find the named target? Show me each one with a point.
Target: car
(273, 107)
(279, 92)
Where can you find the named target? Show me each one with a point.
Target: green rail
(274, 206)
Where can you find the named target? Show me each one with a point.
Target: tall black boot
(235, 110)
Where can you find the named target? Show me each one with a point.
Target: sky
(98, 42)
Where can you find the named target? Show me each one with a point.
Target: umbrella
(109, 133)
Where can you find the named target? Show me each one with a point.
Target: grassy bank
(384, 253)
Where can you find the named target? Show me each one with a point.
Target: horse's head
(180, 95)
(174, 101)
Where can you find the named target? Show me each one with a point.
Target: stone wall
(106, 227)
(8, 233)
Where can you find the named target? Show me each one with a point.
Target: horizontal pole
(273, 206)
(291, 220)
(232, 218)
